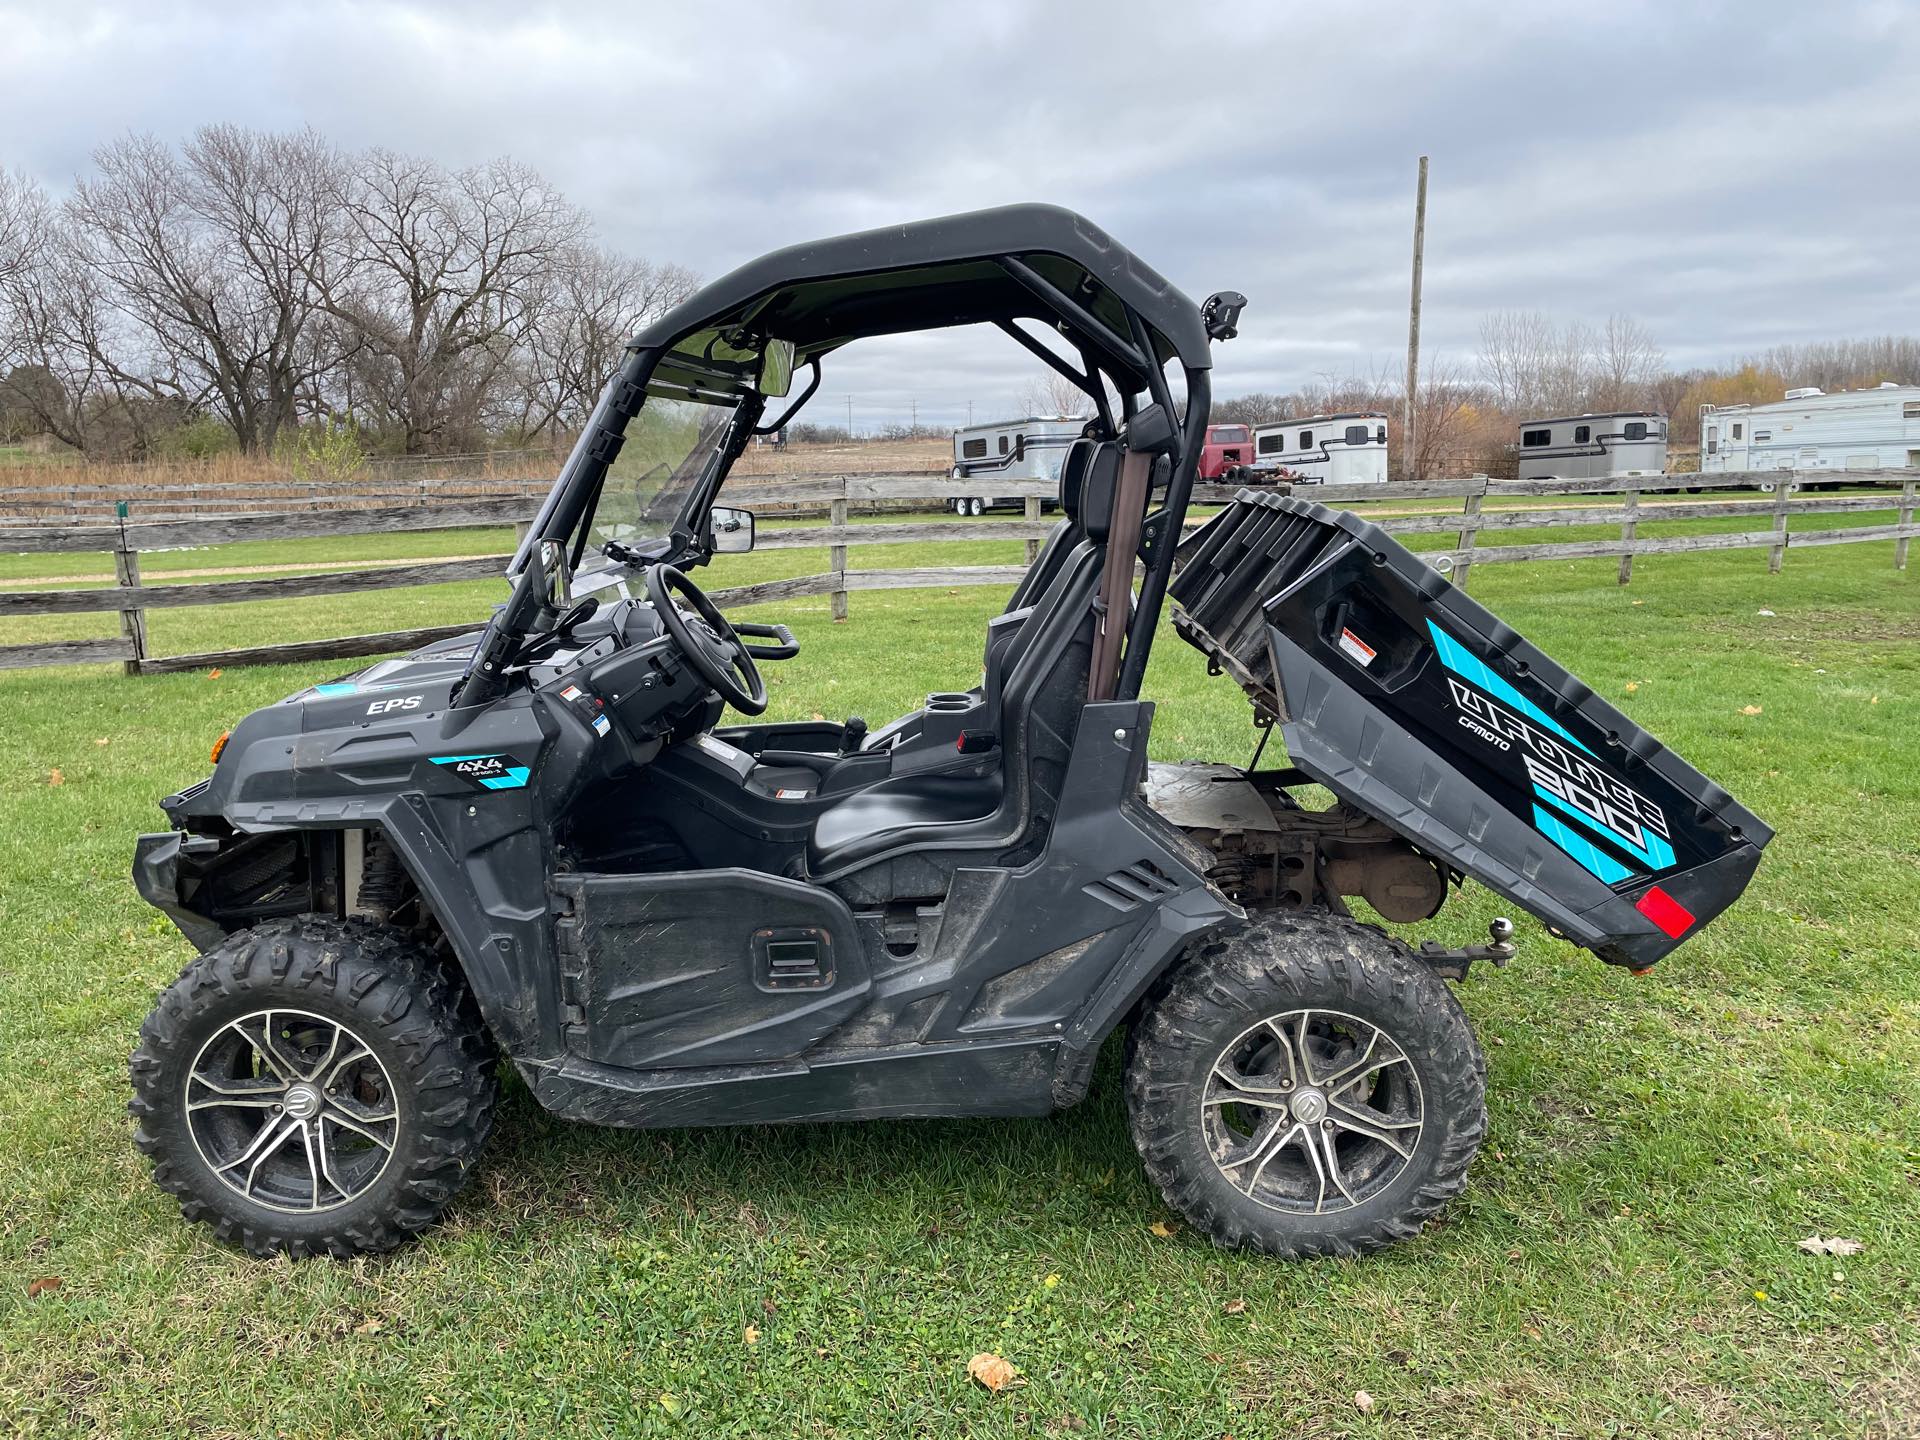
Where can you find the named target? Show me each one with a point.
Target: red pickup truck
(1229, 448)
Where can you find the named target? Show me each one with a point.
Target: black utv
(542, 842)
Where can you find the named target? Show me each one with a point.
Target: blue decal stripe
(1656, 854)
(335, 689)
(1592, 859)
(515, 777)
(456, 759)
(1470, 667)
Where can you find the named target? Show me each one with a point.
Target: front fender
(156, 875)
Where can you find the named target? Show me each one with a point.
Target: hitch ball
(1500, 929)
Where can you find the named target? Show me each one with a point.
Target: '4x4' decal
(490, 772)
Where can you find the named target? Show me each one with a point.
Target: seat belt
(1112, 607)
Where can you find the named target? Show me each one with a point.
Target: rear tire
(1307, 1087)
(314, 1086)
(976, 507)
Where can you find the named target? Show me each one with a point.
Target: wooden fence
(1486, 510)
(28, 506)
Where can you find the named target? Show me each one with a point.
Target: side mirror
(776, 369)
(729, 531)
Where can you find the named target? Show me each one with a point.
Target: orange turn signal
(220, 745)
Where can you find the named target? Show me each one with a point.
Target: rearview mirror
(776, 368)
(729, 531)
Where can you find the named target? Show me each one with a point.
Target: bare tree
(64, 332)
(1535, 367)
(1050, 393)
(1438, 406)
(206, 254)
(1845, 364)
(1516, 356)
(270, 199)
(1626, 364)
(20, 203)
(1256, 408)
(1669, 393)
(596, 302)
(438, 278)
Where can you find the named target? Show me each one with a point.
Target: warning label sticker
(1356, 649)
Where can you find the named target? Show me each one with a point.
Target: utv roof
(978, 267)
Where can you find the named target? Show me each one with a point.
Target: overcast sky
(1732, 175)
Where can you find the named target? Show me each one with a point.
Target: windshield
(667, 449)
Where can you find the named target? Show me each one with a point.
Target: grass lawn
(1622, 1263)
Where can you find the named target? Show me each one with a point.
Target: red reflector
(1666, 912)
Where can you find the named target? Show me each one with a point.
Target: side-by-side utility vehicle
(545, 841)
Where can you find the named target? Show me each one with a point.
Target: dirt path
(285, 568)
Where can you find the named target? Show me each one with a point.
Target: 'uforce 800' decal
(1568, 782)
(489, 772)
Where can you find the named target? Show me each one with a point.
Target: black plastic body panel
(1409, 699)
(645, 996)
(666, 968)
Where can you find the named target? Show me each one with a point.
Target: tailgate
(1407, 698)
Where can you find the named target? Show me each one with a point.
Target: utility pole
(969, 414)
(915, 426)
(1409, 435)
(849, 417)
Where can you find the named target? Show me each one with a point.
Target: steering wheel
(712, 648)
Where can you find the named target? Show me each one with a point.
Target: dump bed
(1407, 698)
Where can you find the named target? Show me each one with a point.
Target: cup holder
(949, 703)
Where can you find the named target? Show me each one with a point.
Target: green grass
(1656, 1144)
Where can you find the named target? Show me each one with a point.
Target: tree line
(254, 282)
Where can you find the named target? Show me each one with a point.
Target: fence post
(1469, 531)
(1779, 550)
(1906, 519)
(126, 572)
(1629, 526)
(1031, 513)
(837, 554)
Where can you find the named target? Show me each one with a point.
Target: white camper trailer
(1594, 447)
(1876, 429)
(1346, 449)
(1029, 449)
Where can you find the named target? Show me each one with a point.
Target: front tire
(314, 1086)
(1307, 1087)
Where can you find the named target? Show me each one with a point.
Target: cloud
(1734, 176)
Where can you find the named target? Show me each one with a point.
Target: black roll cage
(1034, 263)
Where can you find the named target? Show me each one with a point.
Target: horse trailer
(1031, 449)
(1877, 429)
(1594, 447)
(1349, 449)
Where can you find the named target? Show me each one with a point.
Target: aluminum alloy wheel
(1312, 1112)
(292, 1111)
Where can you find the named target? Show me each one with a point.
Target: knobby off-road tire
(269, 1024)
(1391, 1101)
